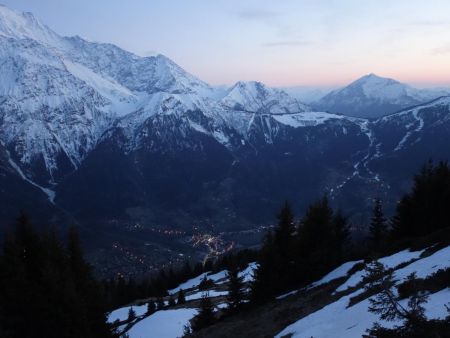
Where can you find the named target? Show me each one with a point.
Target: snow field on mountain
(308, 119)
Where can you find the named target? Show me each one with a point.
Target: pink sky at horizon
(280, 43)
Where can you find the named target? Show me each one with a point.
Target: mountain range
(94, 135)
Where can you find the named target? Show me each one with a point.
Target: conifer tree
(264, 284)
(378, 227)
(284, 230)
(48, 286)
(205, 317)
(315, 241)
(205, 283)
(181, 298)
(235, 288)
(89, 294)
(131, 314)
(386, 304)
(426, 208)
(186, 272)
(151, 307)
(159, 303)
(187, 330)
(341, 235)
(316, 226)
(171, 301)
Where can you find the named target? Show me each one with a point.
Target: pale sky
(278, 42)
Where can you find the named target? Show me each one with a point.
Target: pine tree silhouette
(160, 303)
(181, 298)
(341, 236)
(205, 316)
(426, 208)
(235, 289)
(378, 227)
(46, 285)
(131, 314)
(151, 307)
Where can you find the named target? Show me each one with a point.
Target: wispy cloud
(285, 35)
(257, 14)
(445, 49)
(430, 23)
(291, 43)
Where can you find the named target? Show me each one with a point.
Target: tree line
(47, 289)
(121, 291)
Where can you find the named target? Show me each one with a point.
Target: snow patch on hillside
(191, 283)
(389, 261)
(419, 126)
(307, 119)
(209, 293)
(248, 272)
(339, 272)
(122, 313)
(51, 195)
(338, 319)
(163, 324)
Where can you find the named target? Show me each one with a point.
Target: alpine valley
(155, 165)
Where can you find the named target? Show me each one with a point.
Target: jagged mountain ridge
(73, 91)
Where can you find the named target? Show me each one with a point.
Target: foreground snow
(339, 272)
(169, 323)
(247, 273)
(218, 278)
(191, 283)
(389, 261)
(338, 319)
(211, 293)
(163, 324)
(122, 313)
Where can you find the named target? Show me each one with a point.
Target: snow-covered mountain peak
(374, 78)
(254, 87)
(373, 86)
(24, 25)
(375, 96)
(174, 79)
(255, 97)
